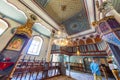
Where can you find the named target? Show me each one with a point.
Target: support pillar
(48, 56)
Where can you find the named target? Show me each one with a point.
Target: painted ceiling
(68, 13)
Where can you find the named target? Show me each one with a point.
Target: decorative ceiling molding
(58, 9)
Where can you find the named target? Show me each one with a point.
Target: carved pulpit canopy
(26, 29)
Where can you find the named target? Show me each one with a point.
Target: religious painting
(15, 44)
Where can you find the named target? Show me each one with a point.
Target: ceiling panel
(60, 10)
(77, 24)
(68, 13)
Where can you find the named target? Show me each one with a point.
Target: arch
(89, 41)
(81, 42)
(3, 26)
(74, 43)
(35, 45)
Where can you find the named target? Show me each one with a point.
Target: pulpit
(109, 29)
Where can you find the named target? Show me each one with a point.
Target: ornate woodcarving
(27, 28)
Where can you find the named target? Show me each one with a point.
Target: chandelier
(61, 39)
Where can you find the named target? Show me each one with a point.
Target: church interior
(59, 39)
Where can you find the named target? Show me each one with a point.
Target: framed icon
(16, 44)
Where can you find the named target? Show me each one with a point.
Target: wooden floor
(61, 78)
(73, 76)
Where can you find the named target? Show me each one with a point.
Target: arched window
(35, 45)
(3, 26)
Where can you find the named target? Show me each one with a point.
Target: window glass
(3, 26)
(35, 45)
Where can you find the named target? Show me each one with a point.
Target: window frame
(6, 28)
(31, 43)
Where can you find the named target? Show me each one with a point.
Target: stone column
(48, 59)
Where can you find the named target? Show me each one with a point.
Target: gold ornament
(27, 28)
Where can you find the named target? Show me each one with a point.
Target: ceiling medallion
(63, 7)
(74, 26)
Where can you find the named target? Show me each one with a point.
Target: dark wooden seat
(30, 68)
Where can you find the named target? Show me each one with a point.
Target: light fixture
(60, 38)
(61, 42)
(78, 51)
